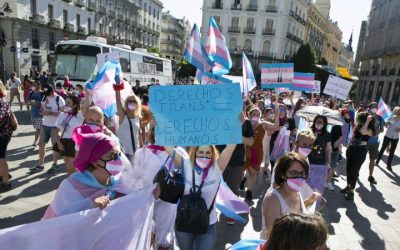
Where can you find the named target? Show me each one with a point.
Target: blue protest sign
(195, 115)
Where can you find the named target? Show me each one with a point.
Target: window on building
(51, 41)
(247, 45)
(266, 46)
(235, 22)
(65, 16)
(253, 3)
(89, 25)
(150, 10)
(250, 23)
(272, 3)
(269, 24)
(35, 39)
(33, 7)
(78, 20)
(145, 7)
(232, 44)
(50, 11)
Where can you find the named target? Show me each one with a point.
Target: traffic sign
(25, 50)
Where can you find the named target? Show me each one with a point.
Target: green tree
(155, 50)
(185, 69)
(304, 59)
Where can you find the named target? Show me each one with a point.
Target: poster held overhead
(337, 87)
(277, 75)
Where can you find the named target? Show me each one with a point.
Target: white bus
(77, 59)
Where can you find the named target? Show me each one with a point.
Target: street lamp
(3, 42)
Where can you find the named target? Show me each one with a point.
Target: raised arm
(364, 128)
(120, 109)
(86, 103)
(177, 159)
(225, 156)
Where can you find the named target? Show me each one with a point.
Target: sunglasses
(292, 174)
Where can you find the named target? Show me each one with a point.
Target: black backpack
(192, 215)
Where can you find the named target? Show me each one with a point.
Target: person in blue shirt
(373, 142)
(35, 100)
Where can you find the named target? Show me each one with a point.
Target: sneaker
(36, 169)
(372, 180)
(53, 169)
(344, 190)
(376, 163)
(349, 196)
(34, 144)
(241, 186)
(330, 186)
(230, 221)
(335, 175)
(249, 195)
(388, 167)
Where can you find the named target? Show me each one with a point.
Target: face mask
(67, 109)
(373, 110)
(45, 89)
(48, 92)
(304, 151)
(114, 167)
(271, 116)
(203, 162)
(131, 106)
(295, 184)
(255, 119)
(95, 128)
(33, 88)
(319, 127)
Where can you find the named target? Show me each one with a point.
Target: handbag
(13, 121)
(55, 146)
(192, 215)
(172, 184)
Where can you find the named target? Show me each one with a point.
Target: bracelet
(118, 86)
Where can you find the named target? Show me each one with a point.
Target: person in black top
(336, 141)
(234, 171)
(137, 90)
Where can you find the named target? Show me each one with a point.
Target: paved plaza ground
(372, 221)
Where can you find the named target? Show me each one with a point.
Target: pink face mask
(304, 151)
(295, 184)
(131, 106)
(203, 162)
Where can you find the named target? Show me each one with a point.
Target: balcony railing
(69, 26)
(297, 17)
(120, 17)
(252, 7)
(236, 7)
(294, 38)
(217, 6)
(375, 72)
(249, 30)
(272, 9)
(266, 54)
(111, 13)
(392, 72)
(55, 23)
(68, 1)
(102, 9)
(39, 18)
(80, 3)
(383, 72)
(128, 20)
(91, 6)
(167, 30)
(234, 29)
(270, 32)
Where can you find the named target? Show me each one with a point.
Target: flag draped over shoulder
(124, 224)
(102, 91)
(195, 53)
(249, 81)
(383, 110)
(217, 50)
(229, 204)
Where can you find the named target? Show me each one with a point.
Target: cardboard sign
(196, 115)
(103, 58)
(337, 87)
(317, 177)
(277, 75)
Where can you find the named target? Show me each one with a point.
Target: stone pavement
(370, 222)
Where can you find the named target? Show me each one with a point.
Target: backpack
(192, 215)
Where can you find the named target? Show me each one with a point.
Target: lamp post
(3, 42)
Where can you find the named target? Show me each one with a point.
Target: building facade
(346, 57)
(360, 47)
(39, 24)
(266, 30)
(332, 43)
(316, 29)
(380, 68)
(173, 36)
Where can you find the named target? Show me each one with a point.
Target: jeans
(393, 145)
(189, 241)
(356, 156)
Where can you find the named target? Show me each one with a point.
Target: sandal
(9, 177)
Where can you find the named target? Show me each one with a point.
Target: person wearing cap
(103, 173)
(373, 142)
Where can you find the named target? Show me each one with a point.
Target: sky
(348, 14)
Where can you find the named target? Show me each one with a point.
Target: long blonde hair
(138, 107)
(193, 151)
(2, 88)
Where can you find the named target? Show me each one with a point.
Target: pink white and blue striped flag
(249, 81)
(195, 53)
(102, 91)
(229, 204)
(217, 50)
(383, 110)
(303, 82)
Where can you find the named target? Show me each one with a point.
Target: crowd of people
(111, 156)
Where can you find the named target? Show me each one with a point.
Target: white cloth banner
(337, 87)
(317, 87)
(124, 224)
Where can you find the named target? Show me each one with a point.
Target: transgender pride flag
(102, 91)
(383, 110)
(195, 53)
(229, 204)
(216, 49)
(303, 82)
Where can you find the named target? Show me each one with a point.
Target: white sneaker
(330, 186)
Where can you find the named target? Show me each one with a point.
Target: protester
(391, 138)
(6, 132)
(51, 80)
(66, 122)
(336, 141)
(320, 156)
(301, 103)
(67, 85)
(60, 90)
(357, 150)
(130, 114)
(14, 84)
(43, 79)
(81, 93)
(291, 172)
(136, 89)
(205, 166)
(373, 143)
(146, 116)
(35, 99)
(348, 117)
(298, 231)
(254, 153)
(51, 108)
(26, 86)
(268, 116)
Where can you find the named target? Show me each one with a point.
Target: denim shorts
(46, 133)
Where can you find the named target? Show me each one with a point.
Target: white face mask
(373, 110)
(304, 151)
(295, 184)
(255, 118)
(67, 109)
